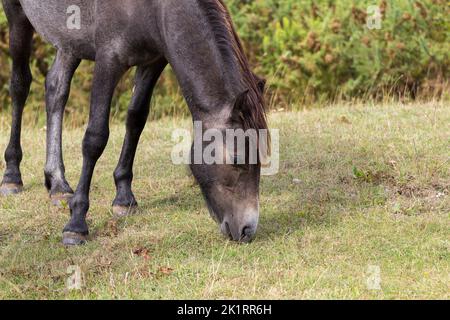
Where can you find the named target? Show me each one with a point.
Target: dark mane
(252, 106)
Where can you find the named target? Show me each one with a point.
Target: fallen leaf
(142, 252)
(165, 270)
(344, 119)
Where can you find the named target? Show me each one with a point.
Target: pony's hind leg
(21, 34)
(145, 81)
(57, 86)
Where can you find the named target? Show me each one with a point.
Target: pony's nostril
(247, 234)
(243, 235)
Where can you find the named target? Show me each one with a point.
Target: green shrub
(321, 50)
(310, 51)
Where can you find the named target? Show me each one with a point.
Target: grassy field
(359, 188)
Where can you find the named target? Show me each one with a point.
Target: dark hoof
(73, 239)
(61, 200)
(123, 211)
(8, 189)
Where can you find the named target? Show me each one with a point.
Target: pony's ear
(240, 111)
(262, 85)
(239, 102)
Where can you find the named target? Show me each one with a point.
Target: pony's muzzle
(243, 231)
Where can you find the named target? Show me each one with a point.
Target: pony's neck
(206, 57)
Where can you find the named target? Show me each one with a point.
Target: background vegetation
(312, 52)
(361, 183)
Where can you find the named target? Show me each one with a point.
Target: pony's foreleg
(57, 87)
(145, 81)
(107, 74)
(21, 34)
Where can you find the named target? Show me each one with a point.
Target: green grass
(371, 188)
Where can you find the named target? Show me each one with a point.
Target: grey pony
(198, 40)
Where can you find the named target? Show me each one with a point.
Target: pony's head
(229, 180)
(230, 183)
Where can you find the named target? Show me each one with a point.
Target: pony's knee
(137, 118)
(21, 79)
(94, 142)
